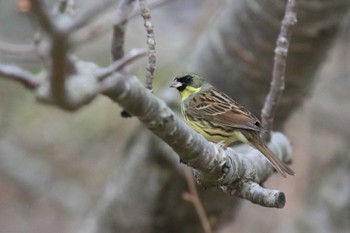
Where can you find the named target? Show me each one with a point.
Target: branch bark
(213, 166)
(151, 42)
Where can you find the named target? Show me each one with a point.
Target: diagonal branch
(213, 166)
(15, 73)
(193, 197)
(88, 15)
(133, 55)
(279, 68)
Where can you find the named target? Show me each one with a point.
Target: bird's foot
(221, 145)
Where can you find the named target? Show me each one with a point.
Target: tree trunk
(236, 52)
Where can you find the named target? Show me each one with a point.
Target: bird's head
(188, 84)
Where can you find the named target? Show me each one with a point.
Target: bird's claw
(221, 145)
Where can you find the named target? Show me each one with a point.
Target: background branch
(18, 51)
(60, 63)
(103, 26)
(87, 15)
(151, 42)
(193, 197)
(279, 67)
(17, 74)
(117, 65)
(123, 12)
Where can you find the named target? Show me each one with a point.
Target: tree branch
(61, 65)
(193, 197)
(279, 68)
(123, 12)
(213, 166)
(103, 26)
(17, 74)
(151, 42)
(18, 51)
(133, 55)
(87, 15)
(259, 195)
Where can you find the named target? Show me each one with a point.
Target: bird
(220, 119)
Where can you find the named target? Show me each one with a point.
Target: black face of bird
(180, 83)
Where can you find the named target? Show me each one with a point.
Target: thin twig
(103, 26)
(193, 197)
(22, 76)
(123, 11)
(279, 67)
(18, 51)
(151, 42)
(133, 55)
(88, 15)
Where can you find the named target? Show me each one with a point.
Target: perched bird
(219, 118)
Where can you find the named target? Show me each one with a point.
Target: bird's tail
(276, 163)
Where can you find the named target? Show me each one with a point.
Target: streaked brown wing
(217, 107)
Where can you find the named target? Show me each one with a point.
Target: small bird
(220, 119)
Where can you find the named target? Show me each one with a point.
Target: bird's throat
(189, 91)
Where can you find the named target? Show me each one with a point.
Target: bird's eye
(188, 79)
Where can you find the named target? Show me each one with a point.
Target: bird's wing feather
(219, 108)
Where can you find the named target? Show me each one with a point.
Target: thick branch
(213, 166)
(259, 195)
(61, 65)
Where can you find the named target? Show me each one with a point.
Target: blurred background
(54, 165)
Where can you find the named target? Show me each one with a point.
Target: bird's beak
(176, 84)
